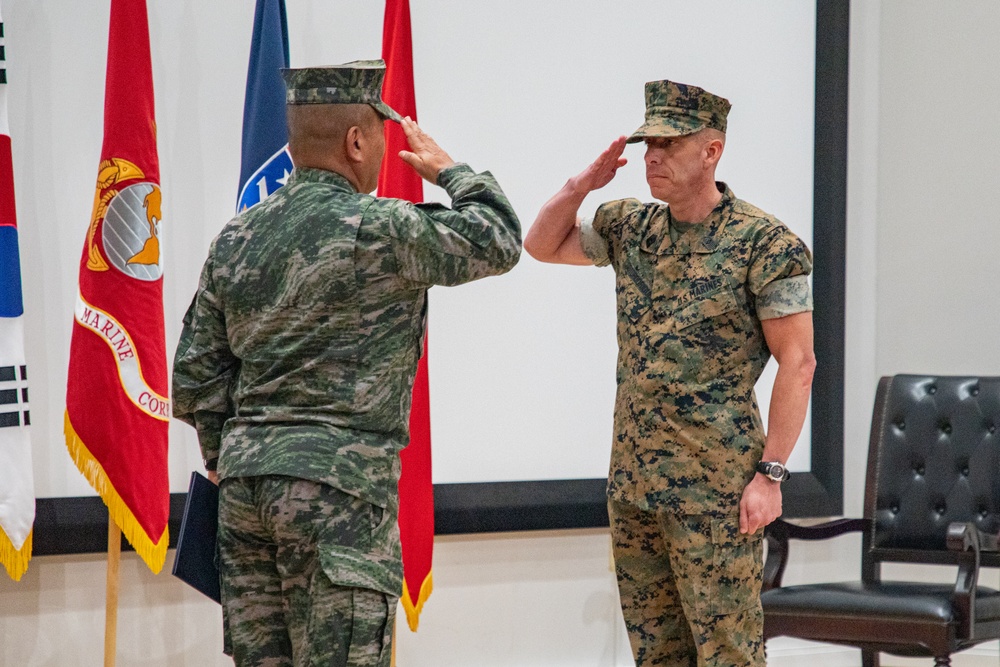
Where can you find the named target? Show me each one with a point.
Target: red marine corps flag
(416, 490)
(117, 404)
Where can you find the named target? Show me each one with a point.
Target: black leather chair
(932, 495)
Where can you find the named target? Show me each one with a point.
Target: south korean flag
(14, 410)
(17, 494)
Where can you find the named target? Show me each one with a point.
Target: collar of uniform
(313, 175)
(704, 238)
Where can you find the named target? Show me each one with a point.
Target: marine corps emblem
(131, 231)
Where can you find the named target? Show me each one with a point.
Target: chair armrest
(822, 531)
(988, 541)
(780, 532)
(963, 536)
(966, 540)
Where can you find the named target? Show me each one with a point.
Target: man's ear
(713, 151)
(353, 142)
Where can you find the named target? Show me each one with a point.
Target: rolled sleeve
(777, 254)
(606, 229)
(783, 297)
(593, 244)
(778, 275)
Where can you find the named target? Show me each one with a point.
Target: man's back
(296, 362)
(304, 307)
(320, 293)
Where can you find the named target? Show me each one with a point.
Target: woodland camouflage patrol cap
(677, 109)
(358, 82)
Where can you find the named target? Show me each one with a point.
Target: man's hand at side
(790, 340)
(760, 504)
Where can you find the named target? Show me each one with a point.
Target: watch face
(777, 471)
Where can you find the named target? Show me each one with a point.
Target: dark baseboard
(80, 525)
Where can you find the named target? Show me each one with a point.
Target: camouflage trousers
(282, 543)
(689, 588)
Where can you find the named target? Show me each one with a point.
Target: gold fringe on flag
(413, 610)
(15, 561)
(153, 553)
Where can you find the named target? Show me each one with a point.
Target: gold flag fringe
(15, 561)
(413, 610)
(153, 553)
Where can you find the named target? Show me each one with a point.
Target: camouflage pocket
(372, 560)
(391, 603)
(371, 629)
(705, 306)
(737, 561)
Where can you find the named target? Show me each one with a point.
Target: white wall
(503, 99)
(938, 172)
(923, 163)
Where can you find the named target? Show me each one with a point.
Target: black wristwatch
(774, 471)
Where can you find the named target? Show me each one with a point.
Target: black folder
(194, 562)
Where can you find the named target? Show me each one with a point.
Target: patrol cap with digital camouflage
(677, 109)
(357, 82)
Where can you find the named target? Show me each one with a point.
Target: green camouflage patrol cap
(677, 109)
(358, 82)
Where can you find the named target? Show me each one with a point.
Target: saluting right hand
(425, 156)
(604, 168)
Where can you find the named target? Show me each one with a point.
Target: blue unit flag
(266, 162)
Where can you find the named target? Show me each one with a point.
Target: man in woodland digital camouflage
(708, 288)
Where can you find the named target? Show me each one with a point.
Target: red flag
(396, 179)
(117, 404)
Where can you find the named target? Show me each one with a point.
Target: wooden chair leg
(869, 658)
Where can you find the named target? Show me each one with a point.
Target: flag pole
(395, 622)
(111, 600)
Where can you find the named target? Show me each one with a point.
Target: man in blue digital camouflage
(708, 288)
(296, 364)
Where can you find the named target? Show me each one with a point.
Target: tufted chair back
(934, 458)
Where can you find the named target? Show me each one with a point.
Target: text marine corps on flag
(129, 371)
